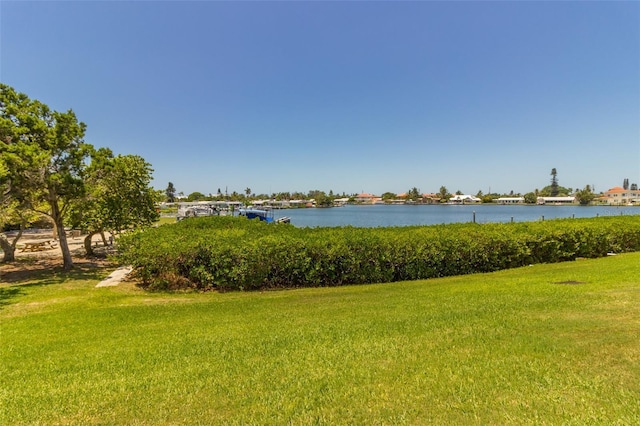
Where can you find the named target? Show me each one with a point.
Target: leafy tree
(247, 191)
(119, 196)
(170, 193)
(530, 198)
(444, 194)
(196, 196)
(388, 196)
(625, 184)
(45, 155)
(414, 194)
(548, 190)
(585, 196)
(12, 213)
(634, 186)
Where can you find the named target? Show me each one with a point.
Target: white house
(556, 200)
(510, 200)
(464, 199)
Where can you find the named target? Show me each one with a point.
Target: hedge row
(236, 253)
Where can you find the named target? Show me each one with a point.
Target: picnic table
(38, 246)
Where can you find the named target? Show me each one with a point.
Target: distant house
(462, 199)
(620, 196)
(556, 200)
(430, 198)
(365, 198)
(510, 200)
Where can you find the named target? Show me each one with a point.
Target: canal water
(368, 216)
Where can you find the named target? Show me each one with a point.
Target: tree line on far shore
(414, 195)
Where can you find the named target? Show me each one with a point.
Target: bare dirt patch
(33, 265)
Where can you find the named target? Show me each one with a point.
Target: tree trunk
(9, 248)
(62, 236)
(87, 243)
(64, 248)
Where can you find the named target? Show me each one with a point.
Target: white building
(464, 199)
(510, 200)
(556, 200)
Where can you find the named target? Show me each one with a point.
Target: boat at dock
(263, 215)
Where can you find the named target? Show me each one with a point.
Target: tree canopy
(47, 168)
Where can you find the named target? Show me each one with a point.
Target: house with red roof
(365, 198)
(619, 196)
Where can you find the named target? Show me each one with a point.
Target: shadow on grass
(44, 272)
(17, 276)
(8, 293)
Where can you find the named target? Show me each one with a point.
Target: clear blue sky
(343, 96)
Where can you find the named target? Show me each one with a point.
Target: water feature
(368, 216)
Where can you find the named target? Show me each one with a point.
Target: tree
(554, 183)
(388, 196)
(12, 213)
(444, 194)
(413, 194)
(45, 155)
(585, 196)
(170, 193)
(196, 196)
(119, 196)
(625, 184)
(530, 198)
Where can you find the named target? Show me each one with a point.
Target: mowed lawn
(545, 344)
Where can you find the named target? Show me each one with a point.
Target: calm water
(402, 215)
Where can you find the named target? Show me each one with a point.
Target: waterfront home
(620, 196)
(365, 198)
(431, 198)
(556, 200)
(510, 200)
(464, 199)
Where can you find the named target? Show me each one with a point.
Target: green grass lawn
(545, 344)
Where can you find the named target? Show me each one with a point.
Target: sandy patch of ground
(31, 264)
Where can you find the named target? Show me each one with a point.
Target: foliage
(530, 198)
(414, 194)
(196, 196)
(45, 169)
(233, 253)
(560, 191)
(444, 194)
(554, 191)
(45, 154)
(388, 196)
(585, 196)
(170, 193)
(119, 196)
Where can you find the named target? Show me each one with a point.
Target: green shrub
(229, 253)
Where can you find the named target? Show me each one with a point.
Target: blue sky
(343, 96)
